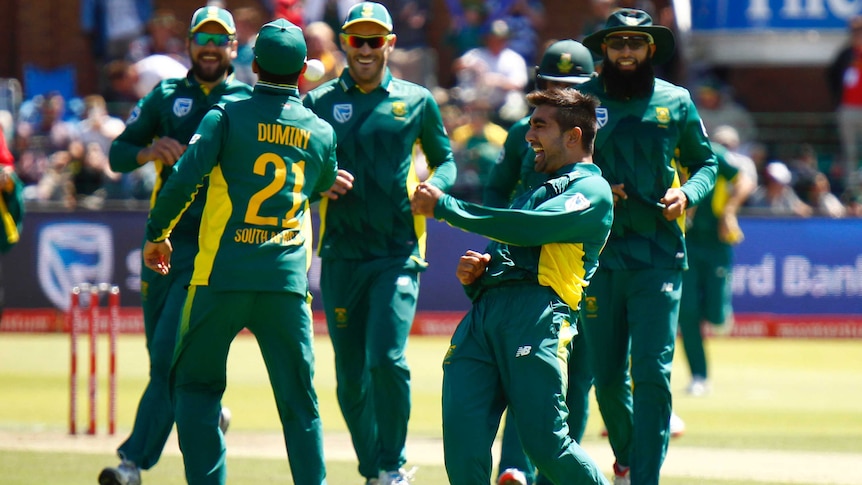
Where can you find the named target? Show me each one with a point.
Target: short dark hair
(266, 76)
(574, 109)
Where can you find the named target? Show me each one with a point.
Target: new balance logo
(523, 350)
(667, 288)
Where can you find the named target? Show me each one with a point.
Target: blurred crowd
(61, 145)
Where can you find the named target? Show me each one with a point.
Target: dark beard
(209, 77)
(626, 85)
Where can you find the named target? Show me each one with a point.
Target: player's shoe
(224, 420)
(397, 477)
(677, 425)
(622, 475)
(512, 476)
(126, 473)
(698, 387)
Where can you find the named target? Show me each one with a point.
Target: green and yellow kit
(514, 174)
(510, 348)
(263, 157)
(633, 302)
(372, 250)
(706, 285)
(174, 108)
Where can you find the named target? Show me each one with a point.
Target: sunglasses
(373, 41)
(219, 40)
(619, 43)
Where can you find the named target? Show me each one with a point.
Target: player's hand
(728, 229)
(471, 266)
(165, 149)
(619, 192)
(675, 202)
(425, 199)
(343, 183)
(157, 256)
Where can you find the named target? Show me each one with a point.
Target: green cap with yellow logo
(212, 14)
(566, 61)
(368, 12)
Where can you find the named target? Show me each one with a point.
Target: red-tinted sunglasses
(373, 41)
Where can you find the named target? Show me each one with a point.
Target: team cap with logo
(212, 14)
(368, 12)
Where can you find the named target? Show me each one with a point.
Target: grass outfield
(769, 394)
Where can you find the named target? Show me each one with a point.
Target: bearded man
(650, 139)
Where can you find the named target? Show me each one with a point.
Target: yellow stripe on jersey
(567, 333)
(561, 266)
(680, 221)
(419, 223)
(213, 223)
(720, 194)
(324, 204)
(157, 186)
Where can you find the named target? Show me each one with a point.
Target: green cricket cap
(280, 48)
(368, 12)
(566, 61)
(212, 14)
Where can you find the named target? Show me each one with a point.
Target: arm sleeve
(187, 176)
(577, 212)
(505, 173)
(695, 153)
(327, 173)
(435, 144)
(141, 128)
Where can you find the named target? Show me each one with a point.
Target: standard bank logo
(342, 112)
(72, 253)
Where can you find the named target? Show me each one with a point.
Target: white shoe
(126, 473)
(677, 425)
(698, 387)
(224, 419)
(512, 476)
(397, 477)
(622, 475)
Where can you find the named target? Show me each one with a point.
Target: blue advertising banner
(711, 15)
(786, 267)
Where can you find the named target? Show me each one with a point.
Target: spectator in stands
(111, 25)
(413, 59)
(595, 21)
(163, 36)
(467, 25)
(320, 39)
(525, 18)
(844, 76)
(56, 184)
(291, 10)
(98, 126)
(776, 196)
(716, 108)
(496, 72)
(92, 175)
(816, 192)
(36, 140)
(852, 200)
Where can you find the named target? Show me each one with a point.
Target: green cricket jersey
(551, 235)
(703, 226)
(260, 155)
(174, 108)
(642, 143)
(377, 133)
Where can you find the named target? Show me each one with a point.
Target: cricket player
(510, 348)
(158, 131)
(264, 157)
(372, 248)
(649, 130)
